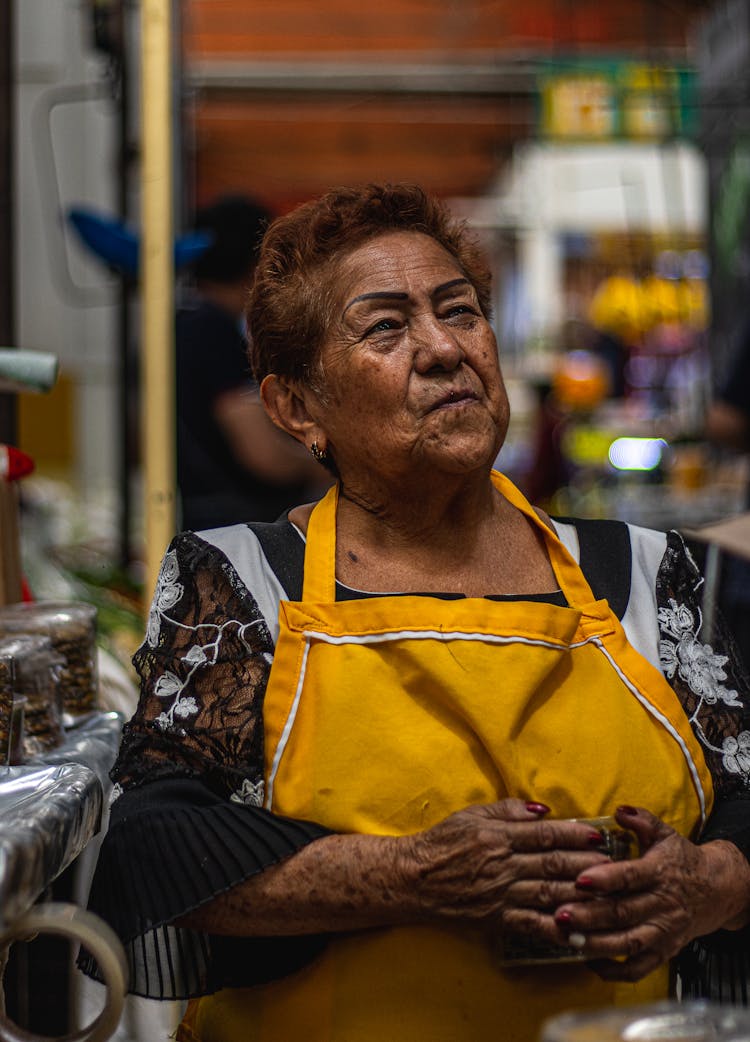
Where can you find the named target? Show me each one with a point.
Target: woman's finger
(648, 828)
(564, 865)
(526, 922)
(513, 809)
(526, 837)
(546, 894)
(641, 873)
(615, 913)
(649, 936)
(620, 877)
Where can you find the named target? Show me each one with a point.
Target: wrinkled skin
(499, 866)
(640, 913)
(502, 866)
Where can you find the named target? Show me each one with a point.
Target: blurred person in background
(728, 425)
(233, 465)
(728, 416)
(548, 469)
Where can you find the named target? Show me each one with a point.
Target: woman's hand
(642, 912)
(501, 865)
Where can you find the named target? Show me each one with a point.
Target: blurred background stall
(598, 153)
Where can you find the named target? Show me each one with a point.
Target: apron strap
(319, 585)
(568, 572)
(320, 552)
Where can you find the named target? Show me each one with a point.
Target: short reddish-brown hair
(291, 302)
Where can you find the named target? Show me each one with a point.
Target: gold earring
(320, 455)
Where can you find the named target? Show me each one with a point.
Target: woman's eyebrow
(394, 295)
(377, 295)
(443, 287)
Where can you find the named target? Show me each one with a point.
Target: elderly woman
(341, 797)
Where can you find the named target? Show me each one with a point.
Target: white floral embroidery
(167, 594)
(251, 793)
(169, 686)
(695, 663)
(116, 792)
(185, 707)
(702, 669)
(197, 657)
(737, 753)
(676, 620)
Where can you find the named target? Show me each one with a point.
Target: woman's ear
(286, 402)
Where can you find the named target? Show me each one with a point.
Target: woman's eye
(383, 326)
(456, 310)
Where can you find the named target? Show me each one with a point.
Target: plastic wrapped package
(30, 709)
(51, 809)
(11, 718)
(71, 628)
(6, 709)
(49, 814)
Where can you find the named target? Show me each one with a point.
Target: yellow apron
(385, 715)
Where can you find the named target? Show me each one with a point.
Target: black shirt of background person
(215, 489)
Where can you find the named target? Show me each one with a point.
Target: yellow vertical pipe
(157, 285)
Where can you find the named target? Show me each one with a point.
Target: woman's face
(410, 370)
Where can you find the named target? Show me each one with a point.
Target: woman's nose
(437, 347)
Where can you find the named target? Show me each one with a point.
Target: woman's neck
(414, 516)
(468, 539)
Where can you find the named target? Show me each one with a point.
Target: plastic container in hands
(619, 844)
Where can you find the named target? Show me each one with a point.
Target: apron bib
(384, 715)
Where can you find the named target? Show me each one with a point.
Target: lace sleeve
(705, 671)
(203, 667)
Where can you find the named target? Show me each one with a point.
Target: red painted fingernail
(595, 839)
(584, 883)
(627, 809)
(563, 918)
(537, 808)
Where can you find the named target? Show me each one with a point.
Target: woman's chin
(461, 456)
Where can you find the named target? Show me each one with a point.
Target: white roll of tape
(76, 924)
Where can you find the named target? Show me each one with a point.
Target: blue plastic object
(119, 246)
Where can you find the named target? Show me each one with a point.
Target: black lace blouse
(187, 819)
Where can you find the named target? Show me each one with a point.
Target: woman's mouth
(454, 398)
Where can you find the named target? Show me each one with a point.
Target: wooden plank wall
(284, 147)
(234, 27)
(284, 150)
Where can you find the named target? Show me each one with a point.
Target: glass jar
(71, 627)
(30, 710)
